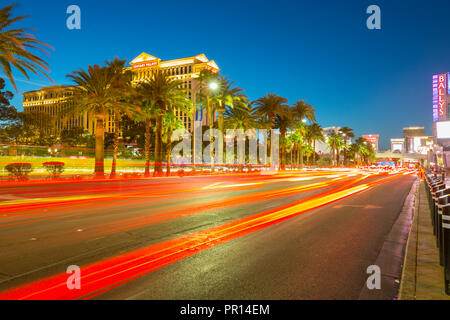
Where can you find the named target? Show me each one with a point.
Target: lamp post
(213, 87)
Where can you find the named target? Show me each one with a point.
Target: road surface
(307, 235)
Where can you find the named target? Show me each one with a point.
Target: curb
(391, 256)
(407, 289)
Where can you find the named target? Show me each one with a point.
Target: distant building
(322, 146)
(413, 132)
(397, 145)
(51, 100)
(373, 140)
(415, 140)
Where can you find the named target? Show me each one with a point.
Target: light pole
(212, 86)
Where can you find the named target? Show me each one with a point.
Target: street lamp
(304, 120)
(213, 85)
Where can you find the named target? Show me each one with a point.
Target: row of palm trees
(108, 91)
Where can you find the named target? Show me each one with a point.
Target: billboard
(443, 129)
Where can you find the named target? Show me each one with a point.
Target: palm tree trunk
(147, 147)
(292, 150)
(99, 148)
(301, 157)
(283, 151)
(158, 145)
(220, 119)
(169, 150)
(314, 152)
(211, 126)
(116, 145)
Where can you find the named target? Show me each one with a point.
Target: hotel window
(190, 69)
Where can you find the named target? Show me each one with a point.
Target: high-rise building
(184, 69)
(415, 140)
(413, 132)
(51, 100)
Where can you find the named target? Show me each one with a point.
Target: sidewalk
(423, 277)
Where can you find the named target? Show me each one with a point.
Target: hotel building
(51, 100)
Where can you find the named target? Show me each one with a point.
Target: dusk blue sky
(375, 81)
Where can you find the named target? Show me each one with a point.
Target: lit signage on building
(145, 65)
(209, 68)
(442, 90)
(435, 98)
(372, 139)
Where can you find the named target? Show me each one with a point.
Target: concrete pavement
(423, 277)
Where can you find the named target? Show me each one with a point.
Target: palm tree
(301, 113)
(161, 94)
(304, 111)
(14, 45)
(269, 106)
(123, 92)
(360, 148)
(95, 94)
(240, 118)
(334, 142)
(228, 96)
(347, 133)
(316, 134)
(283, 122)
(290, 143)
(299, 141)
(206, 91)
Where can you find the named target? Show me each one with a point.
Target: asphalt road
(303, 236)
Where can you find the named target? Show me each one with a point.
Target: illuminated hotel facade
(51, 100)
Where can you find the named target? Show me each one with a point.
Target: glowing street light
(304, 120)
(213, 85)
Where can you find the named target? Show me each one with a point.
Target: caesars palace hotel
(51, 99)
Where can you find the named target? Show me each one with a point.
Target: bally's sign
(442, 90)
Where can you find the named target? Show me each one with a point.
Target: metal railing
(439, 201)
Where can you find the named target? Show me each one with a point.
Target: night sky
(375, 81)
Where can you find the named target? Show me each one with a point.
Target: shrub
(325, 161)
(54, 168)
(18, 170)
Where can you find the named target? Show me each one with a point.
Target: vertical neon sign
(435, 98)
(442, 90)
